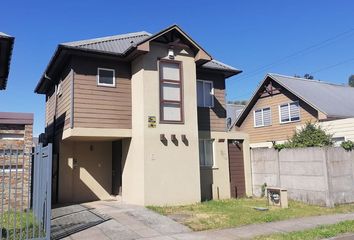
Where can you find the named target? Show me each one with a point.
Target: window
(59, 89)
(337, 141)
(289, 112)
(171, 105)
(11, 136)
(205, 93)
(106, 77)
(206, 155)
(11, 168)
(262, 117)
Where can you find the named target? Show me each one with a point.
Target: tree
(238, 102)
(351, 81)
(311, 135)
(306, 75)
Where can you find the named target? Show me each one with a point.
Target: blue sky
(245, 34)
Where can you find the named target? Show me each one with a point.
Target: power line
(332, 66)
(311, 73)
(304, 51)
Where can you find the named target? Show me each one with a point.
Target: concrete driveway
(111, 220)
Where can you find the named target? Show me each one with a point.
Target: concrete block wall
(322, 176)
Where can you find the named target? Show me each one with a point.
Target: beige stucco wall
(133, 163)
(85, 171)
(164, 175)
(216, 180)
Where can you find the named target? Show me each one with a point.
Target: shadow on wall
(85, 172)
(206, 184)
(204, 115)
(53, 134)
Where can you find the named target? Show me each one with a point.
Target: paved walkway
(137, 223)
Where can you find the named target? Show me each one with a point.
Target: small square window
(106, 77)
(262, 117)
(289, 112)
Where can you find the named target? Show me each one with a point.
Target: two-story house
(282, 104)
(141, 116)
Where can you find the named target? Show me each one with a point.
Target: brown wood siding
(49, 108)
(100, 106)
(237, 170)
(277, 131)
(213, 119)
(63, 109)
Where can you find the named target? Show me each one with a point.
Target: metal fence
(25, 193)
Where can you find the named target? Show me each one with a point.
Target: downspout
(72, 99)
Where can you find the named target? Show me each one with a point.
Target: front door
(236, 169)
(116, 167)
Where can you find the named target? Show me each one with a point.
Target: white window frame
(12, 137)
(7, 170)
(105, 84)
(212, 93)
(213, 155)
(262, 111)
(59, 90)
(290, 121)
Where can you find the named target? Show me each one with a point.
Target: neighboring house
(233, 111)
(15, 136)
(341, 129)
(6, 45)
(281, 103)
(142, 116)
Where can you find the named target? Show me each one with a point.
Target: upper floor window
(106, 77)
(206, 153)
(262, 117)
(171, 100)
(289, 112)
(205, 93)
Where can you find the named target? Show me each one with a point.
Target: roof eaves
(56, 54)
(11, 40)
(239, 121)
(174, 26)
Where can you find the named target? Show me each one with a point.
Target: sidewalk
(250, 231)
(137, 223)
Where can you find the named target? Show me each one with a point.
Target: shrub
(311, 135)
(347, 145)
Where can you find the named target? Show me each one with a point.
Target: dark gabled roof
(6, 46)
(117, 44)
(333, 100)
(121, 45)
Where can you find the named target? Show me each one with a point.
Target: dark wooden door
(236, 168)
(116, 167)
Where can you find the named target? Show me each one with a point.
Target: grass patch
(325, 231)
(13, 223)
(238, 212)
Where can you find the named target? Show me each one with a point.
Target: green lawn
(238, 212)
(14, 231)
(325, 231)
